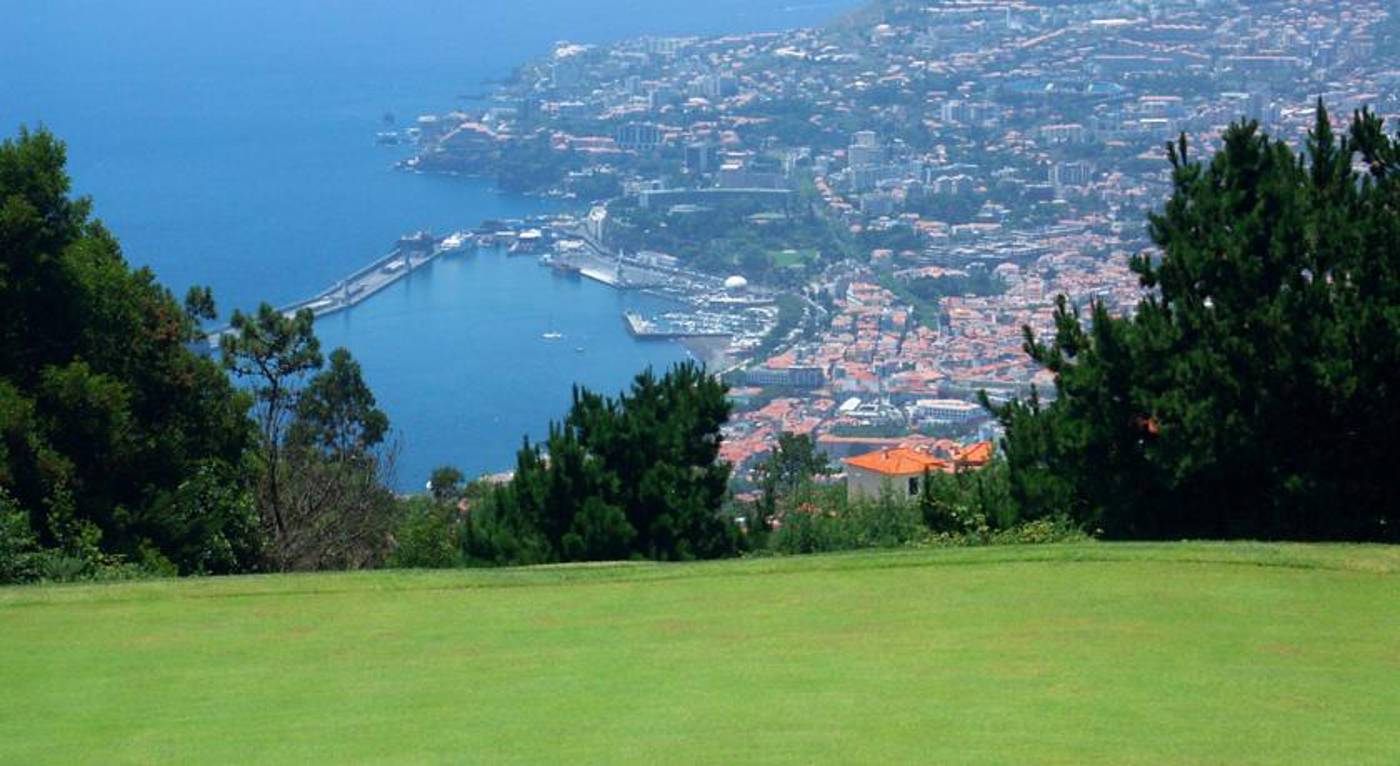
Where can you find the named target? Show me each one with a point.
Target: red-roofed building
(974, 455)
(901, 469)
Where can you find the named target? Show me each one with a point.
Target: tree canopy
(322, 488)
(1253, 393)
(632, 476)
(112, 430)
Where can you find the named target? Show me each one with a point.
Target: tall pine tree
(1254, 392)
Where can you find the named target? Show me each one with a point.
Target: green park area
(1079, 653)
(783, 259)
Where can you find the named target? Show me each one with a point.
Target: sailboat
(553, 334)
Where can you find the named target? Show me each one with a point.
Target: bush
(339, 512)
(497, 537)
(77, 557)
(19, 548)
(215, 521)
(819, 520)
(429, 536)
(885, 522)
(953, 510)
(1059, 529)
(636, 476)
(969, 501)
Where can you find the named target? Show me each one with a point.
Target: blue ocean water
(231, 144)
(457, 358)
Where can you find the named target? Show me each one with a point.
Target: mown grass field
(1221, 653)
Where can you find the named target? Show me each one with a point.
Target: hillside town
(926, 177)
(962, 381)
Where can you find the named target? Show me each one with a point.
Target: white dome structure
(736, 283)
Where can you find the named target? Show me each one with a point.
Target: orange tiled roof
(901, 461)
(975, 454)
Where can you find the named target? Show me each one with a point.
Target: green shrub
(1058, 529)
(952, 510)
(429, 536)
(820, 519)
(806, 533)
(77, 555)
(885, 522)
(19, 548)
(968, 502)
(492, 537)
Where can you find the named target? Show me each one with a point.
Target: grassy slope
(1108, 653)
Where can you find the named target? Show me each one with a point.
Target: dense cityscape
(920, 180)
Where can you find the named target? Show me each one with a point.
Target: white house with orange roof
(901, 469)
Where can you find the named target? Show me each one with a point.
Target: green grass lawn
(1223, 653)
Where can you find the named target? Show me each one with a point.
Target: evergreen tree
(337, 412)
(661, 440)
(1253, 392)
(445, 484)
(325, 471)
(638, 475)
(793, 462)
(275, 353)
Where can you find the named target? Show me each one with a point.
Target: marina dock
(650, 329)
(606, 276)
(411, 253)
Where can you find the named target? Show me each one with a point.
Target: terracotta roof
(975, 454)
(900, 461)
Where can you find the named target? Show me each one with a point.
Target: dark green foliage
(979, 283)
(790, 466)
(429, 535)
(214, 521)
(274, 352)
(105, 413)
(820, 519)
(968, 502)
(323, 498)
(19, 546)
(965, 508)
(1254, 393)
(432, 529)
(635, 476)
(532, 164)
(337, 412)
(505, 527)
(1038, 487)
(594, 186)
(445, 484)
(199, 304)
